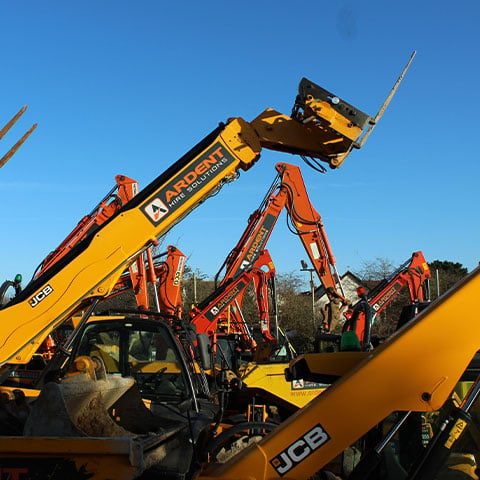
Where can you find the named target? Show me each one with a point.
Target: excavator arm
(222, 311)
(116, 198)
(165, 277)
(290, 194)
(125, 190)
(93, 266)
(169, 280)
(413, 274)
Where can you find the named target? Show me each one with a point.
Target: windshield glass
(144, 350)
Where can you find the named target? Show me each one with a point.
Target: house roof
(320, 290)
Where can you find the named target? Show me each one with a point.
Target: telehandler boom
(92, 267)
(324, 129)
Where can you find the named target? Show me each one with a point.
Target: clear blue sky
(127, 87)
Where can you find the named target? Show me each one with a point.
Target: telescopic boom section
(92, 267)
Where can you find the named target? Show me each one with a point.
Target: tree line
(294, 304)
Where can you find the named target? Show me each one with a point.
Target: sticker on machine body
(300, 449)
(178, 274)
(187, 183)
(387, 296)
(40, 296)
(258, 243)
(224, 301)
(301, 384)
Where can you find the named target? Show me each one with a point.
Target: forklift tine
(11, 152)
(385, 104)
(10, 124)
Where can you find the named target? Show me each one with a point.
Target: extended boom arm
(92, 267)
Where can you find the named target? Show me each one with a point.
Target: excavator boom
(125, 190)
(290, 194)
(222, 309)
(165, 277)
(414, 274)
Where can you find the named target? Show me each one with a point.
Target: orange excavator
(262, 375)
(413, 274)
(249, 261)
(221, 313)
(165, 276)
(287, 192)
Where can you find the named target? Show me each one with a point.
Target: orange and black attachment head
(339, 125)
(328, 111)
(337, 122)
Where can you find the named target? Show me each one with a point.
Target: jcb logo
(176, 279)
(178, 273)
(41, 295)
(300, 450)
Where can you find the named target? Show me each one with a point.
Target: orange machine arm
(165, 276)
(290, 193)
(170, 282)
(221, 311)
(261, 276)
(413, 273)
(118, 196)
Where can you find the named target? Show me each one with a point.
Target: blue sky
(124, 87)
